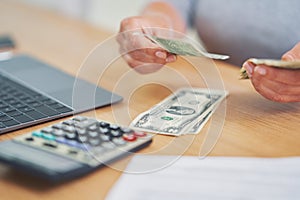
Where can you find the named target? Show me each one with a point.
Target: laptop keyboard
(21, 106)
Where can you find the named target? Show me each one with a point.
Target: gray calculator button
(104, 130)
(93, 134)
(105, 138)
(47, 130)
(108, 145)
(58, 132)
(95, 142)
(69, 129)
(85, 123)
(79, 118)
(119, 141)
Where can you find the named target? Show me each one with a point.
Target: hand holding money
(276, 80)
(144, 51)
(137, 50)
(292, 65)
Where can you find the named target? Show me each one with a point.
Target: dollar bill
(293, 65)
(196, 128)
(184, 48)
(179, 112)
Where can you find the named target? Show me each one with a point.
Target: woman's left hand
(281, 85)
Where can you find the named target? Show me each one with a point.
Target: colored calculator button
(129, 137)
(140, 134)
(48, 136)
(37, 134)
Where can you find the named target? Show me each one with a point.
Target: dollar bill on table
(293, 65)
(196, 128)
(185, 111)
(183, 47)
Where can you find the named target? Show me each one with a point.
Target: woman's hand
(159, 19)
(140, 52)
(281, 85)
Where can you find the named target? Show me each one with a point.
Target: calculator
(71, 148)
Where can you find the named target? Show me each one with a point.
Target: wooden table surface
(253, 126)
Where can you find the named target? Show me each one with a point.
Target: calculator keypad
(86, 140)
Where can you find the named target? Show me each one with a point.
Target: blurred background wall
(106, 14)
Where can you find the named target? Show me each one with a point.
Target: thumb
(293, 54)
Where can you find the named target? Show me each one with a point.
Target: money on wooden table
(185, 111)
(293, 65)
(183, 47)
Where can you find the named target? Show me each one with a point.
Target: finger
(171, 58)
(274, 96)
(293, 54)
(149, 55)
(249, 66)
(264, 89)
(285, 76)
(277, 87)
(159, 58)
(141, 67)
(141, 48)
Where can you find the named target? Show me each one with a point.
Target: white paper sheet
(209, 179)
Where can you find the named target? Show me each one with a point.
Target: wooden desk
(253, 125)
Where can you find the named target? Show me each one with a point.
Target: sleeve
(185, 7)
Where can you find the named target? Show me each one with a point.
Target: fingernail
(260, 70)
(248, 68)
(160, 54)
(171, 58)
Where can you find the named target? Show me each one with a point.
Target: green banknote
(184, 112)
(183, 47)
(292, 65)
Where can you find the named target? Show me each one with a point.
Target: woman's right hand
(139, 51)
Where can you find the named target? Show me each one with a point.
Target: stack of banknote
(292, 65)
(184, 47)
(184, 112)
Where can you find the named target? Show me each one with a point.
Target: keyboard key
(14, 113)
(7, 109)
(19, 105)
(46, 110)
(25, 109)
(64, 110)
(35, 104)
(56, 106)
(4, 118)
(49, 101)
(2, 125)
(35, 115)
(10, 123)
(22, 118)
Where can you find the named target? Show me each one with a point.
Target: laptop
(33, 92)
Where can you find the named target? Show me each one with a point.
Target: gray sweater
(243, 29)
